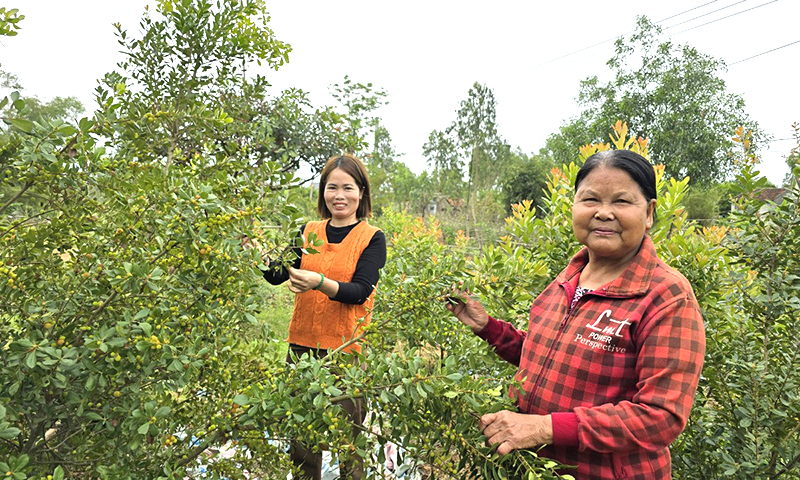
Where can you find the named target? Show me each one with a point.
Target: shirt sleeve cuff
(565, 429)
(492, 329)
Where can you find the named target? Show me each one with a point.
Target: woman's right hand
(468, 310)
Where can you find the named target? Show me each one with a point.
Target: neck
(343, 222)
(599, 272)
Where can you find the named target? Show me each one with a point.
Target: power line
(764, 53)
(673, 26)
(685, 21)
(706, 14)
(702, 25)
(687, 11)
(723, 18)
(627, 33)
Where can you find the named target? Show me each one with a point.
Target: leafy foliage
(747, 423)
(126, 288)
(9, 21)
(526, 179)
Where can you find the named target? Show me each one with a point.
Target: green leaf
(9, 433)
(85, 124)
(163, 411)
(141, 314)
(22, 461)
(58, 473)
(21, 124)
(91, 381)
(241, 400)
(21, 345)
(143, 429)
(30, 359)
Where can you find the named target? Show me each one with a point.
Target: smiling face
(342, 197)
(610, 215)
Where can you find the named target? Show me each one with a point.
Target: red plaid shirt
(618, 372)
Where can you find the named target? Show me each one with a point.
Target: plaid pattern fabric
(626, 361)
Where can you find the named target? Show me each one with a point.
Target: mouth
(603, 231)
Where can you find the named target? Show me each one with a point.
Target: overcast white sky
(427, 54)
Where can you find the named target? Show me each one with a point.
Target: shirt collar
(634, 280)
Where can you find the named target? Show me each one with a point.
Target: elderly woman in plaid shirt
(614, 348)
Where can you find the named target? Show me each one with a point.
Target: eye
(622, 200)
(330, 187)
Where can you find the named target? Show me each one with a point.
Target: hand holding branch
(514, 431)
(303, 280)
(467, 310)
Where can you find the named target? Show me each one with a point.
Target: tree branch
(16, 197)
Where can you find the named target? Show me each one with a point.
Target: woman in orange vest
(335, 287)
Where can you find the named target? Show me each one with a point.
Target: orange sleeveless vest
(318, 321)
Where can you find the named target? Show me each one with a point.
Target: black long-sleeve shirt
(367, 272)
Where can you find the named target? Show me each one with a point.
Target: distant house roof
(771, 194)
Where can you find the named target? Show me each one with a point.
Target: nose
(604, 213)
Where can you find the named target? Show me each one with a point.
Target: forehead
(607, 179)
(339, 176)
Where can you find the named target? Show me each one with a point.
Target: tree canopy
(671, 94)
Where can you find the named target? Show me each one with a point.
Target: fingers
(511, 431)
(497, 432)
(505, 448)
(459, 296)
(486, 420)
(295, 276)
(455, 308)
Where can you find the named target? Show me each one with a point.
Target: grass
(272, 322)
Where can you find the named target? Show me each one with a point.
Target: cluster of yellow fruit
(9, 273)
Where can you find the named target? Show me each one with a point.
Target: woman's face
(342, 196)
(610, 214)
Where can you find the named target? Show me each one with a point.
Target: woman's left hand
(302, 280)
(513, 431)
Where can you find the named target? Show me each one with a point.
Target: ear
(651, 210)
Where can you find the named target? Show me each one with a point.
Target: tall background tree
(671, 94)
(471, 149)
(444, 164)
(793, 159)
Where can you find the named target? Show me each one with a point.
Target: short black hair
(635, 165)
